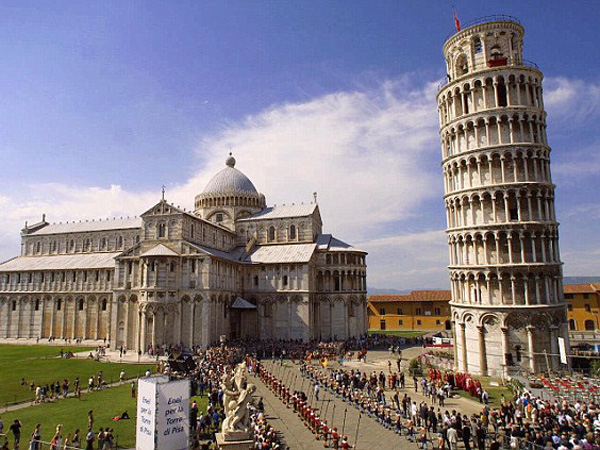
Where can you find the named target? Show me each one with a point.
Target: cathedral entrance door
(234, 324)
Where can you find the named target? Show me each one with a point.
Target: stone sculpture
(237, 393)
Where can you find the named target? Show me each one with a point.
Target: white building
(507, 303)
(233, 267)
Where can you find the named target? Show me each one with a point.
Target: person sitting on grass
(124, 415)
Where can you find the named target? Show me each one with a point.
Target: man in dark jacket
(466, 435)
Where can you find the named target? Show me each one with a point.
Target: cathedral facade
(233, 267)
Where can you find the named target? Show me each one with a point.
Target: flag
(456, 21)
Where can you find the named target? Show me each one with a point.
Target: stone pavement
(371, 435)
(378, 361)
(284, 420)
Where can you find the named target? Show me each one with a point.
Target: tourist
(91, 419)
(452, 434)
(108, 440)
(67, 442)
(15, 428)
(76, 441)
(101, 438)
(89, 440)
(36, 437)
(56, 442)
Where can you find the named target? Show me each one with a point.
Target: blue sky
(103, 102)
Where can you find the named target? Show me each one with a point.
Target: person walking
(453, 438)
(67, 442)
(76, 442)
(91, 419)
(15, 428)
(89, 440)
(466, 435)
(36, 437)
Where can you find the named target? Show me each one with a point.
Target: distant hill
(580, 280)
(566, 280)
(374, 290)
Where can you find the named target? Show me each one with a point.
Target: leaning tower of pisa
(507, 304)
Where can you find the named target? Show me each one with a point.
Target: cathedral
(232, 268)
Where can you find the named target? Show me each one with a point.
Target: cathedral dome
(230, 187)
(229, 181)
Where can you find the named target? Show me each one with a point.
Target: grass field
(14, 353)
(42, 364)
(495, 392)
(399, 333)
(72, 414)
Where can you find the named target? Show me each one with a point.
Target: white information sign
(173, 412)
(146, 415)
(163, 409)
(562, 348)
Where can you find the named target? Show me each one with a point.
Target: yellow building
(428, 310)
(583, 307)
(422, 310)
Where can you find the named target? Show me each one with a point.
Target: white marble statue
(237, 393)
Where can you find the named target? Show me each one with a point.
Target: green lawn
(399, 333)
(494, 391)
(12, 353)
(41, 365)
(72, 414)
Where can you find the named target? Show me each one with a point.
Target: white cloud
(63, 202)
(572, 102)
(578, 164)
(582, 262)
(362, 151)
(408, 261)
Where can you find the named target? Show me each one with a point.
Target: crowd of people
(378, 396)
(103, 439)
(307, 412)
(47, 392)
(522, 422)
(206, 381)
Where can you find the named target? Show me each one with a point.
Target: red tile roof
(583, 288)
(439, 295)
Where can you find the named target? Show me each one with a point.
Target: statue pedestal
(225, 442)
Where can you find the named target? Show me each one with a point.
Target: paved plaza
(371, 434)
